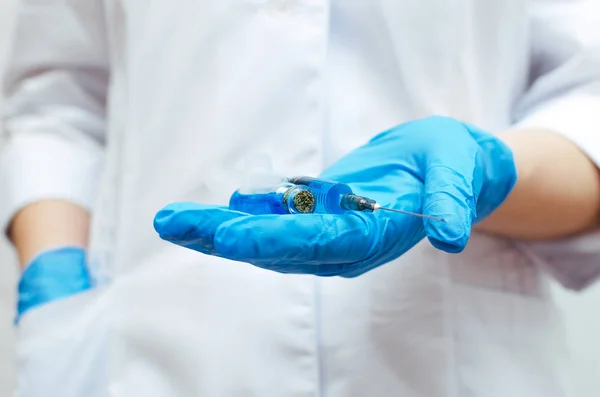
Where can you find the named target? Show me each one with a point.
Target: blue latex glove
(436, 166)
(52, 275)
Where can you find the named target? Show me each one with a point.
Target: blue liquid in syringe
(287, 198)
(305, 195)
(328, 194)
(294, 196)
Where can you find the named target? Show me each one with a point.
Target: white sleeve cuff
(35, 167)
(574, 262)
(576, 116)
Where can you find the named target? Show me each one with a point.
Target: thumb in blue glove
(460, 173)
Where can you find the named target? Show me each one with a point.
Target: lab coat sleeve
(564, 96)
(54, 111)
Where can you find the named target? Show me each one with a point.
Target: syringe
(300, 195)
(285, 198)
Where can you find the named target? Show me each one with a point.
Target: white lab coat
(197, 90)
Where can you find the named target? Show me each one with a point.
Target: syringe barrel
(286, 198)
(297, 195)
(328, 194)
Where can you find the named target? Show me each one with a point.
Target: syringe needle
(378, 207)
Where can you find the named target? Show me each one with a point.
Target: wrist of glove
(52, 275)
(436, 166)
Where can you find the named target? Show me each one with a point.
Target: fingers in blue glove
(192, 225)
(320, 244)
(311, 239)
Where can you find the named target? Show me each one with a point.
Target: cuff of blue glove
(53, 275)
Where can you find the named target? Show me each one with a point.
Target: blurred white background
(8, 266)
(7, 285)
(581, 311)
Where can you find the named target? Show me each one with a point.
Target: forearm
(557, 193)
(47, 224)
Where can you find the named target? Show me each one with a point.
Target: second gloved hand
(436, 166)
(52, 275)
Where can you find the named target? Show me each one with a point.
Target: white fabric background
(7, 285)
(8, 266)
(580, 310)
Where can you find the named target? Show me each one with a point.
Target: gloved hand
(436, 166)
(52, 275)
